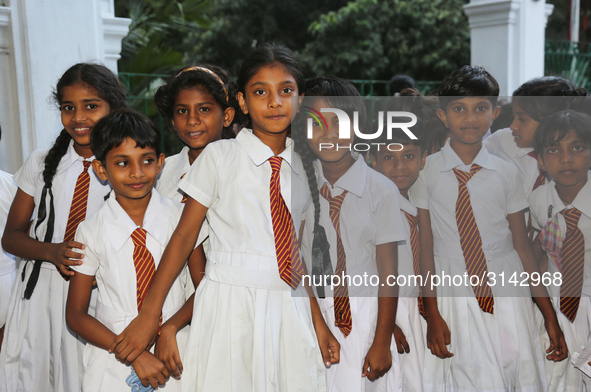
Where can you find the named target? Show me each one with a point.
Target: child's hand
(329, 345)
(63, 256)
(557, 350)
(150, 370)
(377, 361)
(400, 339)
(135, 339)
(167, 350)
(438, 337)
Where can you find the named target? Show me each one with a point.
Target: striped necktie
(286, 241)
(572, 255)
(540, 180)
(342, 306)
(79, 201)
(471, 241)
(184, 199)
(414, 245)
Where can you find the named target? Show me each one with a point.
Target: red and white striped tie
(286, 241)
(342, 305)
(415, 247)
(79, 202)
(471, 242)
(572, 256)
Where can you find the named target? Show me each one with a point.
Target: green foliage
(372, 39)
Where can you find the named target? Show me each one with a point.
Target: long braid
(52, 160)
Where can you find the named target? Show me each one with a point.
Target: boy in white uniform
(124, 242)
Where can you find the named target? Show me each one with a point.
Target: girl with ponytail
(57, 189)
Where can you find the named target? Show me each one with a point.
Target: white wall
(507, 38)
(39, 40)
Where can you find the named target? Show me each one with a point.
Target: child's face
(81, 107)
(198, 118)
(267, 99)
(324, 141)
(523, 127)
(131, 170)
(567, 162)
(402, 167)
(468, 119)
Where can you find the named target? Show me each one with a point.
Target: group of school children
(189, 272)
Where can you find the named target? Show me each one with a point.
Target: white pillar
(39, 40)
(507, 38)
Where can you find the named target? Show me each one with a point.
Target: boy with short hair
(470, 206)
(124, 242)
(401, 160)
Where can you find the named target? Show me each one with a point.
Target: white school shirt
(370, 216)
(405, 257)
(174, 168)
(29, 179)
(495, 191)
(545, 201)
(7, 191)
(502, 144)
(232, 179)
(109, 254)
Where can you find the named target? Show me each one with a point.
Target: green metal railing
(569, 60)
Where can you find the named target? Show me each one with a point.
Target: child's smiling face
(325, 141)
(567, 162)
(468, 119)
(402, 167)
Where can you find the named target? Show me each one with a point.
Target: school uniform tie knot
(413, 222)
(471, 242)
(572, 255)
(342, 305)
(286, 241)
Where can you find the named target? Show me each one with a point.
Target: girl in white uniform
(563, 143)
(39, 352)
(250, 330)
(369, 228)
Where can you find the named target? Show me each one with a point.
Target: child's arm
(166, 345)
(329, 345)
(379, 356)
(141, 332)
(557, 350)
(17, 241)
(148, 368)
(401, 342)
(438, 335)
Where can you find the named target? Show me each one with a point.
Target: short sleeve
(90, 262)
(201, 181)
(28, 176)
(389, 225)
(516, 200)
(533, 211)
(419, 192)
(492, 142)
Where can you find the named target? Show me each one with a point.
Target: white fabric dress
(544, 201)
(493, 352)
(250, 332)
(109, 257)
(408, 317)
(370, 216)
(39, 352)
(175, 166)
(7, 262)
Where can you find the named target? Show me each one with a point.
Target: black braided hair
(108, 87)
(187, 78)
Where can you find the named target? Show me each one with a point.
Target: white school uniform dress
(39, 352)
(370, 216)
(502, 144)
(109, 257)
(493, 352)
(175, 167)
(408, 317)
(250, 331)
(544, 201)
(7, 261)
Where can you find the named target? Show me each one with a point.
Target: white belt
(248, 277)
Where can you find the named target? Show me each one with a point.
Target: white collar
(581, 202)
(352, 181)
(259, 152)
(70, 157)
(451, 160)
(181, 166)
